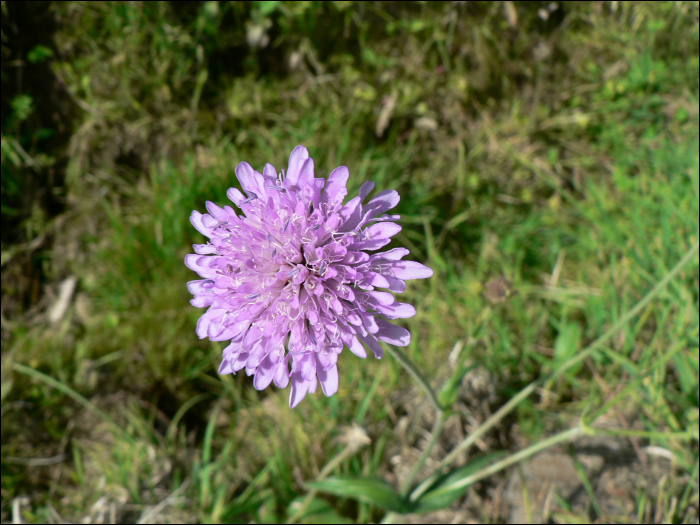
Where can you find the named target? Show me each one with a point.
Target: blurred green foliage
(547, 159)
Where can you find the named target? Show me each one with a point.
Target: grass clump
(547, 160)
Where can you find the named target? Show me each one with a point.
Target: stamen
(246, 201)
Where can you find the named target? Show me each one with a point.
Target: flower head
(290, 281)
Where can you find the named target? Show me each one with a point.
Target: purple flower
(293, 271)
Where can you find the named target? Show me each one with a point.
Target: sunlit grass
(548, 171)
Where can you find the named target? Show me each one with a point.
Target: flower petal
(226, 367)
(240, 361)
(312, 385)
(396, 310)
(266, 371)
(396, 285)
(375, 279)
(204, 249)
(202, 301)
(391, 255)
(235, 196)
(392, 334)
(381, 230)
(382, 202)
(350, 215)
(196, 220)
(370, 245)
(256, 355)
(329, 380)
(336, 189)
(310, 192)
(365, 189)
(409, 270)
(281, 377)
(296, 161)
(207, 319)
(269, 171)
(300, 387)
(372, 344)
(252, 337)
(308, 367)
(251, 181)
(218, 213)
(356, 347)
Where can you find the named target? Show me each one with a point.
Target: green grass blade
(72, 394)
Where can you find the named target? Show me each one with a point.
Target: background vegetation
(547, 159)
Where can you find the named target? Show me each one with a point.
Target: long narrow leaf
(368, 490)
(444, 493)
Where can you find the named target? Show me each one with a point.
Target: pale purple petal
(269, 172)
(296, 161)
(336, 189)
(218, 213)
(410, 270)
(396, 310)
(196, 220)
(356, 348)
(365, 189)
(266, 371)
(300, 387)
(382, 230)
(312, 385)
(329, 380)
(391, 255)
(392, 334)
(204, 249)
(225, 367)
(251, 181)
(384, 201)
(372, 344)
(281, 377)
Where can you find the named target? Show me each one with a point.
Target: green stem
(437, 430)
(483, 428)
(417, 375)
(525, 392)
(511, 460)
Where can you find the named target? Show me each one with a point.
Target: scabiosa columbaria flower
(293, 271)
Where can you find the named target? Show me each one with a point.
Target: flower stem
(417, 375)
(568, 435)
(437, 430)
(525, 392)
